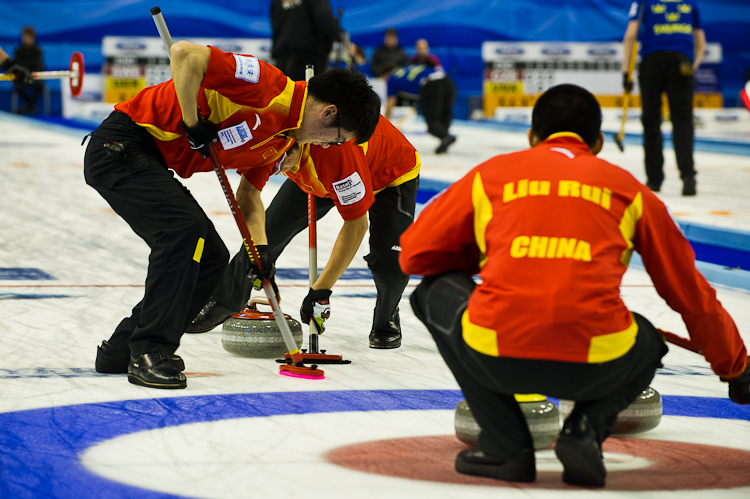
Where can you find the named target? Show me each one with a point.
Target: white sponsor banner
(570, 51)
(152, 46)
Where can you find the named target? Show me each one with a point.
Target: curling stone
(255, 334)
(541, 415)
(642, 415)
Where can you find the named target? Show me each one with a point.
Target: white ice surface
(51, 220)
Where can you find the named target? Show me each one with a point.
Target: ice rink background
(242, 430)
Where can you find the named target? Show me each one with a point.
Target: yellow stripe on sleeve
(630, 218)
(482, 216)
(199, 250)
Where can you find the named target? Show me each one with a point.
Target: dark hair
(567, 108)
(358, 104)
(29, 30)
(391, 31)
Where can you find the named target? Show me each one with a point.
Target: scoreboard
(516, 73)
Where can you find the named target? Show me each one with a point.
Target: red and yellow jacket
(550, 230)
(251, 104)
(352, 174)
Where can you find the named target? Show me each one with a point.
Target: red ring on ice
(677, 465)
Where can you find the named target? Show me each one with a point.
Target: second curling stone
(541, 415)
(255, 334)
(642, 415)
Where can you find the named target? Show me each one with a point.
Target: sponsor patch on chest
(350, 190)
(248, 68)
(235, 136)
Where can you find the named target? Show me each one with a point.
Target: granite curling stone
(255, 334)
(642, 415)
(541, 415)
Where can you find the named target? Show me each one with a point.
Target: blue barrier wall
(455, 28)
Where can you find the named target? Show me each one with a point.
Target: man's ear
(599, 144)
(533, 138)
(329, 111)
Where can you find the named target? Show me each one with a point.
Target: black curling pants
(669, 72)
(187, 254)
(600, 391)
(436, 98)
(286, 216)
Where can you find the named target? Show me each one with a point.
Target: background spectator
(302, 32)
(389, 55)
(29, 56)
(422, 55)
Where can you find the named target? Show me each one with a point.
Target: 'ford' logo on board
(131, 46)
(556, 51)
(509, 50)
(602, 51)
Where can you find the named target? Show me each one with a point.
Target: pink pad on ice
(295, 375)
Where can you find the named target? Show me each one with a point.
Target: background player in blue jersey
(435, 92)
(672, 45)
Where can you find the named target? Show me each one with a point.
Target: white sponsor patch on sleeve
(248, 68)
(235, 136)
(350, 190)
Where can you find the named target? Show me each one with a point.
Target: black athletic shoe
(112, 360)
(445, 143)
(212, 315)
(689, 187)
(653, 186)
(390, 336)
(578, 450)
(155, 371)
(521, 468)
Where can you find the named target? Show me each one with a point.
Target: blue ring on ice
(40, 448)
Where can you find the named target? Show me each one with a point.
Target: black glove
(316, 307)
(627, 83)
(269, 271)
(199, 136)
(23, 76)
(739, 387)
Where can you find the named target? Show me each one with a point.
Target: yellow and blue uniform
(666, 25)
(668, 35)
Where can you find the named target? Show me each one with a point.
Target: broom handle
(312, 232)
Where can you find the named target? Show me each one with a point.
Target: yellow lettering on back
(523, 188)
(606, 198)
(539, 188)
(552, 247)
(566, 247)
(591, 193)
(509, 192)
(570, 188)
(583, 251)
(519, 248)
(538, 246)
(671, 28)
